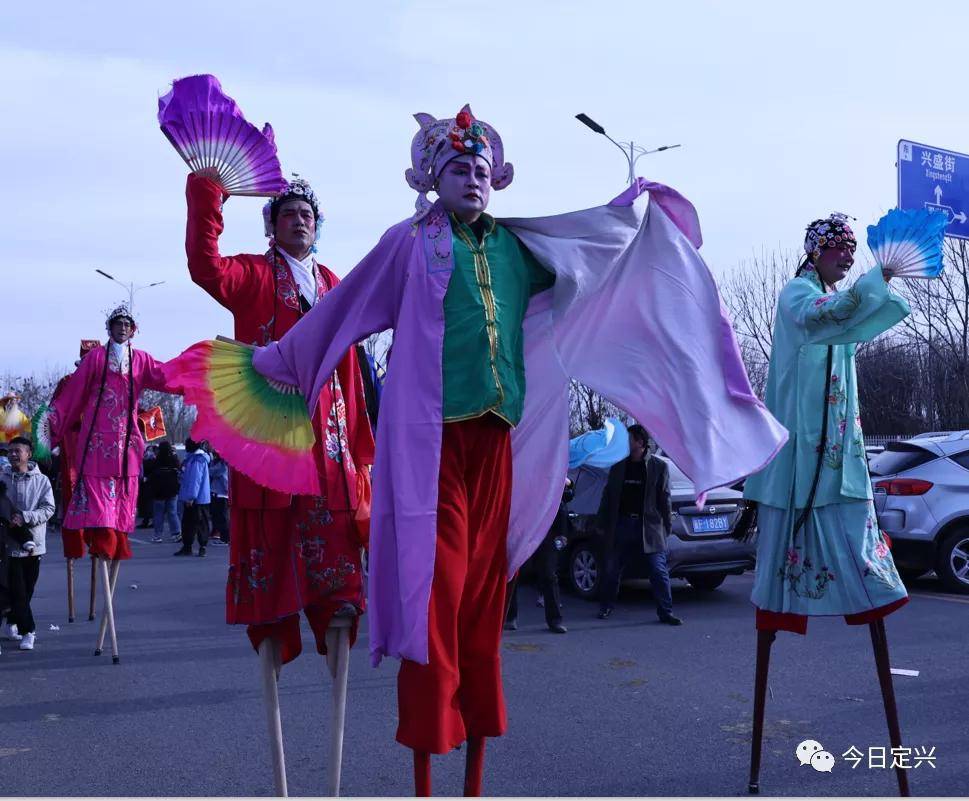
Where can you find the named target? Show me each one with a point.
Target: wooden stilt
(94, 586)
(108, 580)
(269, 659)
(764, 641)
(70, 590)
(879, 641)
(474, 767)
(103, 628)
(422, 774)
(338, 661)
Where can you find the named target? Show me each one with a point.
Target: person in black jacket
(636, 514)
(163, 478)
(546, 561)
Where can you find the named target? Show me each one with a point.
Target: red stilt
(879, 641)
(422, 774)
(764, 641)
(474, 767)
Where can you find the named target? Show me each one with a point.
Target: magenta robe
(107, 489)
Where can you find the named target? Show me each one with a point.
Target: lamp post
(630, 150)
(131, 287)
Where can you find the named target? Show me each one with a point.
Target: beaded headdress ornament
(831, 232)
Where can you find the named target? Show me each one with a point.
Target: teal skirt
(839, 563)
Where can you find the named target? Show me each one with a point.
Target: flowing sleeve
(858, 314)
(153, 376)
(364, 302)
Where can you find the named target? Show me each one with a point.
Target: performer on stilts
(470, 464)
(820, 551)
(103, 395)
(289, 553)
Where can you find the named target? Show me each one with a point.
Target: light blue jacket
(195, 478)
(808, 320)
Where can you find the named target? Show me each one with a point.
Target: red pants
(305, 557)
(458, 694)
(72, 540)
(797, 624)
(108, 543)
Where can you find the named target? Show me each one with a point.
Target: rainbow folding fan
(208, 130)
(40, 431)
(260, 427)
(909, 242)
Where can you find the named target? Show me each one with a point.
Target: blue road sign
(935, 179)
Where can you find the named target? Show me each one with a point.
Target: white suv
(921, 489)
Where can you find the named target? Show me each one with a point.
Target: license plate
(713, 523)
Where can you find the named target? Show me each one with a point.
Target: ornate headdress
(439, 141)
(118, 313)
(297, 189)
(832, 232)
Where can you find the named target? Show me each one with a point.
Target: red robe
(287, 553)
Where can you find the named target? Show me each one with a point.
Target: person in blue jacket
(195, 495)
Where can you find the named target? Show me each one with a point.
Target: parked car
(921, 489)
(701, 548)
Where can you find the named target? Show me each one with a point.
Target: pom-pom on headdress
(121, 312)
(297, 189)
(831, 232)
(439, 141)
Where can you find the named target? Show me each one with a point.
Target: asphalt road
(621, 707)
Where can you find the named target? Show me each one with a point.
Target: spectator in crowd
(145, 499)
(546, 564)
(636, 513)
(163, 476)
(219, 486)
(30, 504)
(4, 461)
(194, 492)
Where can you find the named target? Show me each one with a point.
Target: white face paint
(464, 187)
(806, 750)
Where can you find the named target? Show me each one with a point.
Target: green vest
(485, 303)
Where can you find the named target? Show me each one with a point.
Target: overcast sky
(786, 111)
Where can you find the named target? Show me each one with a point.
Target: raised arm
(364, 302)
(858, 314)
(228, 279)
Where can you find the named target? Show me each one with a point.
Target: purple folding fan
(209, 132)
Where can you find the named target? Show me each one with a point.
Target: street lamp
(130, 287)
(630, 150)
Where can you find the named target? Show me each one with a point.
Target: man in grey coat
(29, 501)
(636, 514)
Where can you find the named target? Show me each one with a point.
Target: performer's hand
(887, 274)
(190, 503)
(17, 519)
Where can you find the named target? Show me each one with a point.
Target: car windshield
(899, 457)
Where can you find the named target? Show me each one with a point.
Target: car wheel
(953, 565)
(585, 571)
(706, 581)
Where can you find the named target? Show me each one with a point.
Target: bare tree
(939, 328)
(750, 294)
(588, 410)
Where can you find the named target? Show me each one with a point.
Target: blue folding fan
(908, 242)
